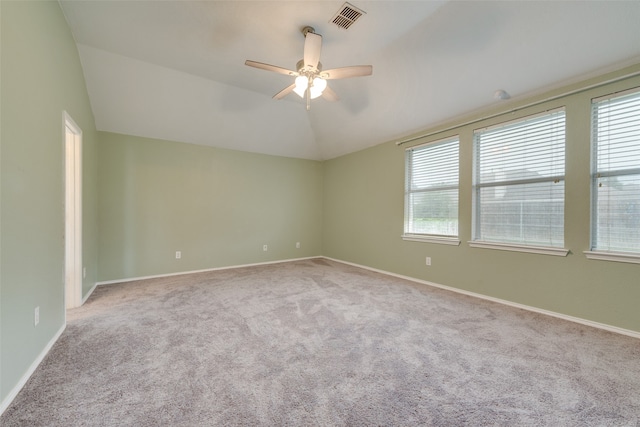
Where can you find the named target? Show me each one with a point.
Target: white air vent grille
(346, 16)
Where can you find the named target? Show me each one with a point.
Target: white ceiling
(175, 69)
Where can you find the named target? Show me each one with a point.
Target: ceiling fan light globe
(314, 93)
(317, 87)
(301, 85)
(320, 84)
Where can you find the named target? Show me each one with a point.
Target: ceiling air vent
(346, 16)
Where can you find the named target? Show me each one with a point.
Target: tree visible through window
(431, 195)
(519, 181)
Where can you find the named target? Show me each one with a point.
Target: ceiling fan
(311, 80)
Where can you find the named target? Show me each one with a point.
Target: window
(431, 192)
(615, 178)
(518, 184)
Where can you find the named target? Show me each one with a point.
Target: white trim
(442, 240)
(23, 380)
(68, 120)
(73, 211)
(543, 250)
(598, 325)
(613, 256)
(180, 273)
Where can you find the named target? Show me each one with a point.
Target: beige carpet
(320, 343)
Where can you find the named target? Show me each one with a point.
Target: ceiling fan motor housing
(308, 70)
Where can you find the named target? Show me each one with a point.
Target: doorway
(73, 270)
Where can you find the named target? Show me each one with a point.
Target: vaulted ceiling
(175, 69)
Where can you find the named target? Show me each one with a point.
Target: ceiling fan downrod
(308, 29)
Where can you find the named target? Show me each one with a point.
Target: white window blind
(518, 183)
(616, 173)
(431, 192)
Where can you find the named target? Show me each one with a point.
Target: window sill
(442, 240)
(613, 256)
(542, 250)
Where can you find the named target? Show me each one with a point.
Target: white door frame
(73, 213)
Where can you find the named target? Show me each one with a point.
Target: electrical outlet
(36, 316)
(178, 254)
(297, 245)
(428, 260)
(265, 248)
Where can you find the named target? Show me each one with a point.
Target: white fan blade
(346, 72)
(284, 92)
(329, 94)
(269, 67)
(312, 46)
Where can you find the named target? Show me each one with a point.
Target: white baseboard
(23, 380)
(610, 328)
(86, 297)
(586, 322)
(133, 279)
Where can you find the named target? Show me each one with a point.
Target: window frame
(477, 185)
(431, 237)
(601, 253)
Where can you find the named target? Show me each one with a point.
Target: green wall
(218, 207)
(145, 199)
(40, 77)
(364, 215)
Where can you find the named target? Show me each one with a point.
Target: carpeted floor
(320, 343)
